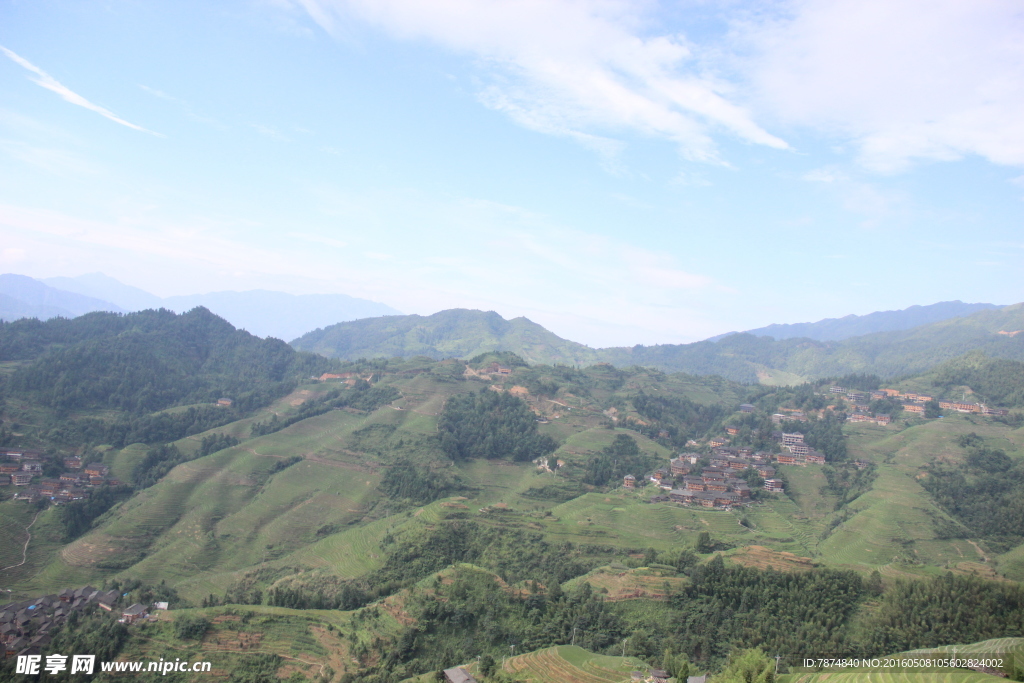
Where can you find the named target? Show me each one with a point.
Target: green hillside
(455, 333)
(745, 358)
(413, 514)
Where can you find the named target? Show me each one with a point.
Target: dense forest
(491, 425)
(621, 457)
(998, 380)
(682, 418)
(985, 493)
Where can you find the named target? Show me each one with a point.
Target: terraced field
(630, 584)
(570, 664)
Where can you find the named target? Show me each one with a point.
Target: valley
(326, 536)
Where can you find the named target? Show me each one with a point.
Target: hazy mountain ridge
(25, 297)
(261, 312)
(740, 357)
(458, 333)
(836, 329)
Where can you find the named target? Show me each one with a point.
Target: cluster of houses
(26, 627)
(24, 468)
(718, 484)
(912, 403)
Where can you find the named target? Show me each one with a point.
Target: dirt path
(984, 557)
(24, 551)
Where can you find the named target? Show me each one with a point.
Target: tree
(748, 666)
(704, 544)
(932, 409)
(487, 665)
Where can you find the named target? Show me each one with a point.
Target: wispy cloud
(52, 84)
(580, 69)
(902, 79)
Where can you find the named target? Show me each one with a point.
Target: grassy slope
(212, 519)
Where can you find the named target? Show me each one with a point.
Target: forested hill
(834, 329)
(455, 333)
(887, 354)
(146, 361)
(739, 357)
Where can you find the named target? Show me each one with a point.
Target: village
(26, 626)
(25, 468)
(723, 479)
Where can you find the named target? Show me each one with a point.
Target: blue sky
(620, 172)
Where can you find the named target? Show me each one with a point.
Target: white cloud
(870, 200)
(47, 81)
(580, 69)
(904, 79)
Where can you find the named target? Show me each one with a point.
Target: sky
(620, 172)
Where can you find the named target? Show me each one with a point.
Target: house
(49, 487)
(786, 459)
(960, 406)
(859, 417)
(10, 467)
(21, 478)
(134, 613)
(777, 418)
(913, 408)
(837, 390)
(681, 495)
(732, 431)
(774, 485)
(458, 675)
(679, 466)
(629, 481)
(658, 675)
(96, 469)
(861, 464)
(32, 466)
(877, 395)
(720, 461)
(799, 449)
(659, 474)
(746, 408)
(788, 439)
(695, 483)
(883, 419)
(73, 463)
(107, 600)
(816, 458)
(891, 393)
(718, 441)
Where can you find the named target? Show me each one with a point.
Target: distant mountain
(261, 312)
(740, 357)
(834, 329)
(745, 357)
(280, 315)
(25, 297)
(105, 287)
(455, 333)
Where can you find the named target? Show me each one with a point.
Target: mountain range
(740, 357)
(261, 312)
(834, 329)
